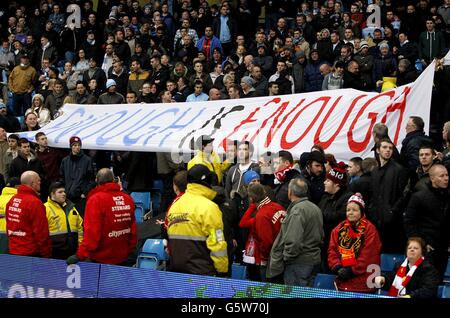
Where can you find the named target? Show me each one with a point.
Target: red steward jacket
(369, 253)
(109, 226)
(27, 225)
(264, 226)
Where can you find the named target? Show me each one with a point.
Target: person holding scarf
(354, 245)
(415, 277)
(285, 171)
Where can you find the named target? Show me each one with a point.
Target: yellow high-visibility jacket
(195, 229)
(64, 242)
(7, 194)
(212, 162)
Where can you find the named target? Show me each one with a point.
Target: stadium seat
(158, 189)
(156, 202)
(444, 291)
(158, 185)
(325, 281)
(238, 271)
(447, 272)
(139, 213)
(388, 261)
(142, 198)
(153, 254)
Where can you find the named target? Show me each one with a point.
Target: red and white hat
(74, 139)
(357, 198)
(338, 174)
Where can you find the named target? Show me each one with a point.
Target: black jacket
(409, 155)
(428, 216)
(77, 174)
(98, 74)
(423, 284)
(333, 208)
(20, 164)
(388, 184)
(363, 186)
(281, 190)
(316, 187)
(122, 50)
(409, 76)
(10, 123)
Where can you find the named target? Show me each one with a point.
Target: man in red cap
(77, 173)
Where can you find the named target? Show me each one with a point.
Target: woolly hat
(2, 105)
(74, 139)
(39, 96)
(249, 176)
(338, 174)
(363, 44)
(357, 198)
(200, 174)
(383, 45)
(248, 80)
(299, 54)
(110, 83)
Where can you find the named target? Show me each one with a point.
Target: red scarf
(280, 175)
(402, 278)
(350, 239)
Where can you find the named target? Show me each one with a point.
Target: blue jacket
(379, 65)
(313, 78)
(215, 43)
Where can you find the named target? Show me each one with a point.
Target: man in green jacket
(296, 250)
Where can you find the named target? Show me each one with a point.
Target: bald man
(109, 224)
(214, 94)
(26, 220)
(428, 216)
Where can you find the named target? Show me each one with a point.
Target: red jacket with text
(109, 226)
(27, 225)
(264, 227)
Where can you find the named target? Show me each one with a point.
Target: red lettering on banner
(401, 106)
(327, 143)
(273, 129)
(249, 119)
(358, 146)
(290, 144)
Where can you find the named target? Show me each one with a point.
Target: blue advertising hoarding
(30, 277)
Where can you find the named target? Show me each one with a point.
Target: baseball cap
(200, 174)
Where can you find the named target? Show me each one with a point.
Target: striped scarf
(350, 239)
(402, 278)
(280, 175)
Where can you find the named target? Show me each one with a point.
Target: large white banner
(340, 120)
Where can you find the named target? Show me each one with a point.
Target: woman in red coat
(354, 245)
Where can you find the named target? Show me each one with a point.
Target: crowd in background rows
(176, 51)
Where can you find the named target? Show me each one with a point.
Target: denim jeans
(300, 274)
(20, 103)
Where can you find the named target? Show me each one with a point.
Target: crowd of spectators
(123, 52)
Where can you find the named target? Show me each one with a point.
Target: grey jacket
(300, 238)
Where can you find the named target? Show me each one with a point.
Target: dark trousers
(80, 204)
(168, 194)
(227, 47)
(439, 259)
(21, 102)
